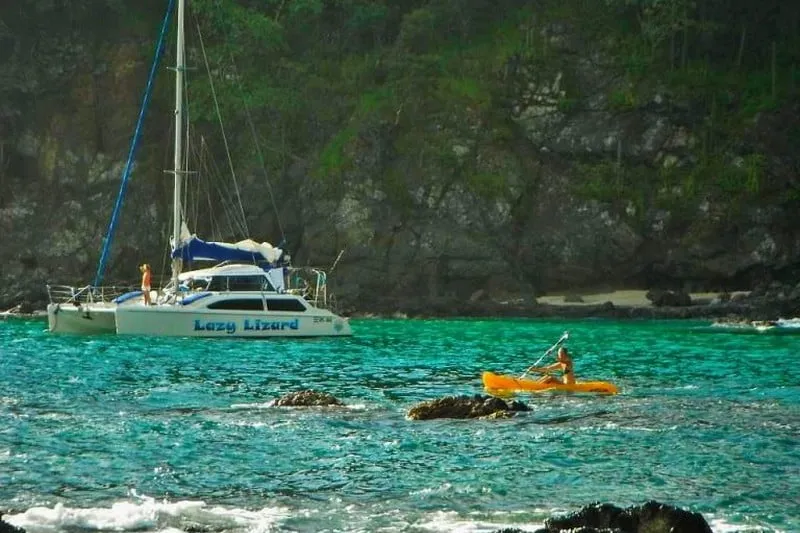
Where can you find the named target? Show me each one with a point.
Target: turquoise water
(135, 434)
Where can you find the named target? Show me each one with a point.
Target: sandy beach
(620, 298)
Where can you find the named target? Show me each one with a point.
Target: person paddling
(563, 363)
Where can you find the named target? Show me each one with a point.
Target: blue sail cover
(195, 249)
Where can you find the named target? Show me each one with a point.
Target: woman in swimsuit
(563, 363)
(146, 275)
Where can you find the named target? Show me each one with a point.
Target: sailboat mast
(178, 161)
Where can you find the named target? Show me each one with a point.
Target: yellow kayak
(500, 384)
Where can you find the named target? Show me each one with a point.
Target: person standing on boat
(145, 269)
(563, 363)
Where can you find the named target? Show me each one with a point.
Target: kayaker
(563, 363)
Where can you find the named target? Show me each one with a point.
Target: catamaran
(251, 291)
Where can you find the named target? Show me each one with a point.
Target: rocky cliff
(440, 170)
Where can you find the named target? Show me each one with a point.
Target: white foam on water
(721, 525)
(270, 404)
(120, 516)
(441, 489)
(264, 405)
(253, 521)
(8, 400)
(789, 322)
(452, 522)
(146, 514)
(249, 424)
(621, 427)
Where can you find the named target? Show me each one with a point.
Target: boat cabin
(234, 278)
(243, 288)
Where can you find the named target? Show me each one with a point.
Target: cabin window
(248, 283)
(218, 284)
(285, 304)
(239, 304)
(198, 284)
(239, 283)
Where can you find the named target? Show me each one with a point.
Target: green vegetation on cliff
(326, 78)
(318, 74)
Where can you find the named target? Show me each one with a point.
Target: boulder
(662, 298)
(307, 398)
(657, 517)
(465, 407)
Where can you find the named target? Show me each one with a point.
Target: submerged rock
(307, 398)
(465, 407)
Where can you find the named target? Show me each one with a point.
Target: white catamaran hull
(95, 318)
(175, 321)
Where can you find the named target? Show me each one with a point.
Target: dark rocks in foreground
(651, 517)
(307, 398)
(5, 527)
(477, 406)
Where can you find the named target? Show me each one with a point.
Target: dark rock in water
(498, 415)
(465, 407)
(733, 321)
(307, 398)
(197, 528)
(597, 515)
(658, 517)
(652, 517)
(5, 527)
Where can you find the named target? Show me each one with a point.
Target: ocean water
(169, 435)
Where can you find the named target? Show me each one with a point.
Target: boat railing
(60, 294)
(310, 283)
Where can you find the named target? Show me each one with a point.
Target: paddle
(564, 337)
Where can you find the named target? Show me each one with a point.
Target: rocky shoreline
(761, 304)
(769, 303)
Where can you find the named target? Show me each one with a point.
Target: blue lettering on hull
(226, 327)
(265, 325)
(250, 324)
